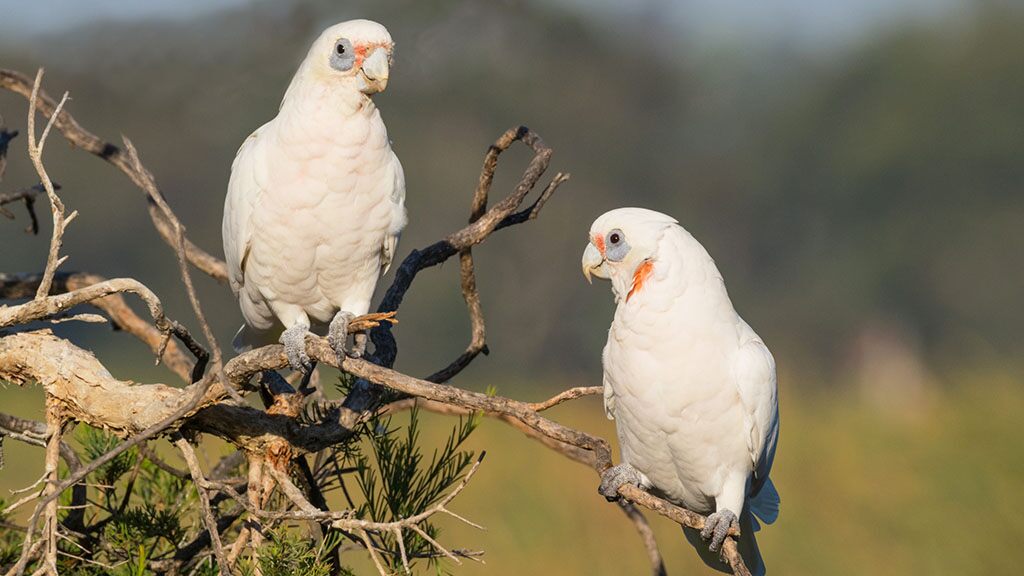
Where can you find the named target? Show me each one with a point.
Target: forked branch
(81, 389)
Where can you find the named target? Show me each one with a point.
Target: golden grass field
(865, 490)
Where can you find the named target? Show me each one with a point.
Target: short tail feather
(765, 504)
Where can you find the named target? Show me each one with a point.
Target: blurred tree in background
(868, 190)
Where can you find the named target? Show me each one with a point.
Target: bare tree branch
(28, 196)
(646, 536)
(79, 137)
(60, 221)
(54, 425)
(190, 403)
(478, 231)
(35, 433)
(18, 286)
(190, 553)
(344, 520)
(256, 430)
(83, 390)
(149, 185)
(204, 502)
(99, 293)
(570, 394)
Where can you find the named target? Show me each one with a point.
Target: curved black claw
(717, 526)
(294, 340)
(617, 476)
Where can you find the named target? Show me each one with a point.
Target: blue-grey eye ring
(342, 56)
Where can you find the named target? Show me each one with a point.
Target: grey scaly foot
(717, 526)
(337, 333)
(617, 476)
(294, 340)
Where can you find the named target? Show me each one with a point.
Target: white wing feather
(756, 385)
(244, 190)
(609, 398)
(398, 219)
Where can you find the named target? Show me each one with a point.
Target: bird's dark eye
(343, 57)
(614, 238)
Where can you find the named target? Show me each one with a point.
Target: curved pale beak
(376, 69)
(593, 263)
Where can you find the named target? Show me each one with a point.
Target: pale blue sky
(33, 16)
(814, 21)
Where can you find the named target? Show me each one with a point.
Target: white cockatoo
(316, 200)
(690, 385)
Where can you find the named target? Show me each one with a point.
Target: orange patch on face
(360, 54)
(599, 243)
(362, 50)
(643, 272)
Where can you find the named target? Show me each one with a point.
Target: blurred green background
(855, 168)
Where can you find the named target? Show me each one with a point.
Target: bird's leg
(294, 340)
(337, 335)
(717, 526)
(617, 476)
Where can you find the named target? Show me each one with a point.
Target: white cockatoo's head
(624, 246)
(356, 54)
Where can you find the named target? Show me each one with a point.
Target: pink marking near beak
(362, 50)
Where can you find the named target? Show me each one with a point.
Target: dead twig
(149, 185)
(100, 290)
(646, 536)
(28, 196)
(55, 426)
(35, 433)
(79, 137)
(60, 220)
(480, 228)
(204, 501)
(570, 394)
(122, 317)
(344, 520)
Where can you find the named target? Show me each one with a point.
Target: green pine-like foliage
(140, 510)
